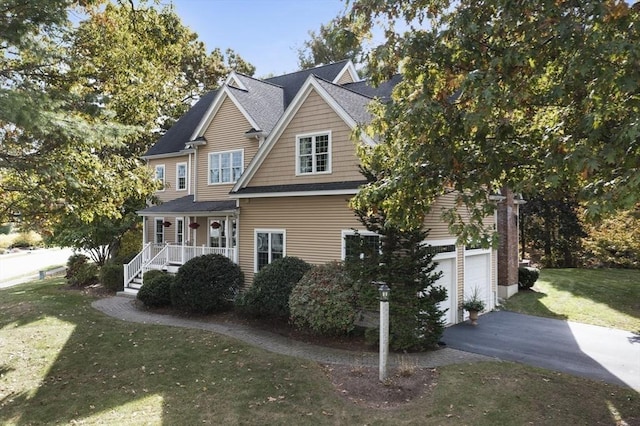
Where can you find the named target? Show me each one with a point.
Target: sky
(266, 33)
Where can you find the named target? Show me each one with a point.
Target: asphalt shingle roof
(264, 102)
(353, 103)
(187, 205)
(302, 187)
(180, 133)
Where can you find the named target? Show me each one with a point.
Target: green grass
(62, 362)
(605, 297)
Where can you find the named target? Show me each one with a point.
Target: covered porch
(179, 230)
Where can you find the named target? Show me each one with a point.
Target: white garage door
(477, 276)
(447, 265)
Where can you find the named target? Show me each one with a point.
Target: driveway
(583, 350)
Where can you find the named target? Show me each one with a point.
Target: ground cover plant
(605, 297)
(62, 362)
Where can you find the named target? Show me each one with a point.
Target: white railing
(133, 268)
(160, 256)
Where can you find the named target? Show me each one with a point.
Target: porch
(166, 257)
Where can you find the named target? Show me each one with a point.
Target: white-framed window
(179, 231)
(225, 167)
(158, 230)
(366, 245)
(313, 153)
(270, 245)
(181, 176)
(160, 175)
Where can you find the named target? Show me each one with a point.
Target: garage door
(477, 276)
(447, 265)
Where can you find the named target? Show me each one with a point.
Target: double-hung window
(360, 245)
(181, 176)
(159, 230)
(160, 175)
(270, 246)
(313, 153)
(225, 167)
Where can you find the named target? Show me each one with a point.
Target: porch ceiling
(186, 206)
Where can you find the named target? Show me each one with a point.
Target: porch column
(508, 246)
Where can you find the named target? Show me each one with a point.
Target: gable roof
(348, 105)
(179, 134)
(186, 205)
(264, 102)
(291, 83)
(382, 92)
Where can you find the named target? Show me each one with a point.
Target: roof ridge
(311, 69)
(260, 80)
(342, 87)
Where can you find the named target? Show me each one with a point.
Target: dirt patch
(361, 385)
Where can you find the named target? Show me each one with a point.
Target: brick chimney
(508, 260)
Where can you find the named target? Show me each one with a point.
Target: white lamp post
(384, 290)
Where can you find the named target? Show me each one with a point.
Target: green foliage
(156, 290)
(130, 244)
(406, 265)
(206, 284)
(528, 95)
(325, 300)
(527, 276)
(5, 229)
(334, 42)
(26, 239)
(614, 241)
(81, 272)
(473, 303)
(550, 226)
(152, 274)
(112, 276)
(269, 294)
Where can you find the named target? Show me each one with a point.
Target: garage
(446, 258)
(477, 276)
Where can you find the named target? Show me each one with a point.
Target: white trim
(224, 92)
(177, 219)
(351, 69)
(186, 176)
(234, 81)
(269, 231)
(296, 193)
(192, 214)
(351, 232)
(189, 178)
(164, 176)
(167, 155)
(155, 230)
(313, 137)
(310, 84)
(219, 153)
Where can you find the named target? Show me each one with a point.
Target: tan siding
(313, 227)
(314, 115)
(345, 78)
(170, 192)
(225, 133)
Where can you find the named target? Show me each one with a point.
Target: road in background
(25, 265)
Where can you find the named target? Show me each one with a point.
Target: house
(261, 169)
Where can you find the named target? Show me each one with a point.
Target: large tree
(332, 43)
(530, 95)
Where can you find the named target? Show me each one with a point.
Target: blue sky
(266, 33)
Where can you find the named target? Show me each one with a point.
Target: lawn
(605, 297)
(62, 362)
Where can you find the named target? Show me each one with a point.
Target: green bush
(614, 242)
(112, 276)
(272, 285)
(81, 272)
(151, 274)
(325, 300)
(527, 277)
(26, 240)
(206, 284)
(156, 290)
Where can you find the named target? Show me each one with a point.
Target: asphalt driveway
(584, 350)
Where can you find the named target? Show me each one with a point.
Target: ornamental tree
(532, 95)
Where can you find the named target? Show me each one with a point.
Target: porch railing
(160, 256)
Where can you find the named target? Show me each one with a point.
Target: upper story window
(160, 175)
(181, 176)
(313, 153)
(225, 167)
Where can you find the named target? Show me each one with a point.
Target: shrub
(527, 276)
(112, 276)
(130, 245)
(80, 272)
(26, 239)
(151, 274)
(272, 285)
(206, 284)
(156, 290)
(614, 242)
(325, 300)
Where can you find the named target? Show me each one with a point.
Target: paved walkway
(124, 309)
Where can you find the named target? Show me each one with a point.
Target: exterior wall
(170, 192)
(314, 115)
(225, 133)
(508, 247)
(313, 227)
(345, 78)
